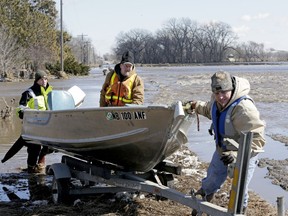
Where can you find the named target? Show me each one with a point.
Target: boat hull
(133, 137)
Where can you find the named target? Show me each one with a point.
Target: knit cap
(221, 81)
(127, 58)
(39, 75)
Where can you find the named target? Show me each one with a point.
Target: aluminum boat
(134, 137)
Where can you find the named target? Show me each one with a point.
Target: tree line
(31, 40)
(184, 41)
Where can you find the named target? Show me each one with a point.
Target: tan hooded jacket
(137, 88)
(244, 117)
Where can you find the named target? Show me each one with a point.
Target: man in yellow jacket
(122, 85)
(33, 98)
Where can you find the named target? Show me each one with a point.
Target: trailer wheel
(60, 190)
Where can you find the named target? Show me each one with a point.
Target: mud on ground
(40, 202)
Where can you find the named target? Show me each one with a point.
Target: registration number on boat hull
(136, 115)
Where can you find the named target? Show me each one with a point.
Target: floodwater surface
(274, 112)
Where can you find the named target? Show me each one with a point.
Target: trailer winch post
(240, 174)
(280, 206)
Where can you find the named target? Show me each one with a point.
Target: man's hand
(21, 114)
(189, 106)
(228, 157)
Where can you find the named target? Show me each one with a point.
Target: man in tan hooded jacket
(122, 85)
(232, 111)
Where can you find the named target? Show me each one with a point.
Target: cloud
(246, 17)
(241, 30)
(256, 17)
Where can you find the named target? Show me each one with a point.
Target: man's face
(223, 97)
(126, 68)
(43, 82)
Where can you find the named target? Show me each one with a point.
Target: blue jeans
(217, 174)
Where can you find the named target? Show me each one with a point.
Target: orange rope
(198, 122)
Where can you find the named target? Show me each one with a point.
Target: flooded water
(199, 142)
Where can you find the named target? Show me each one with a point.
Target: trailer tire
(60, 191)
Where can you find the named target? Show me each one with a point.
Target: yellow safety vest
(37, 102)
(119, 93)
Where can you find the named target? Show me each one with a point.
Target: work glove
(228, 157)
(21, 111)
(21, 114)
(189, 106)
(110, 69)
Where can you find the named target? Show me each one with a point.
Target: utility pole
(82, 47)
(61, 27)
(87, 53)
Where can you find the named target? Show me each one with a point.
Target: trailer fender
(60, 170)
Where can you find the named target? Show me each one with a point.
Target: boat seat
(77, 94)
(60, 100)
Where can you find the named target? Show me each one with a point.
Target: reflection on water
(38, 188)
(8, 129)
(23, 186)
(199, 142)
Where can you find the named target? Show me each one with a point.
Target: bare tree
(277, 55)
(178, 32)
(252, 52)
(214, 40)
(38, 56)
(11, 55)
(165, 46)
(177, 39)
(135, 40)
(191, 50)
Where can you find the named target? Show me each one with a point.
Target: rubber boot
(41, 159)
(209, 197)
(194, 212)
(205, 197)
(44, 151)
(41, 165)
(31, 169)
(244, 210)
(33, 151)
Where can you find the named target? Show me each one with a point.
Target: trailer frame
(99, 177)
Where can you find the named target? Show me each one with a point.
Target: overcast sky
(261, 21)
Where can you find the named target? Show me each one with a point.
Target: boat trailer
(99, 177)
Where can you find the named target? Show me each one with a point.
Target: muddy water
(199, 141)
